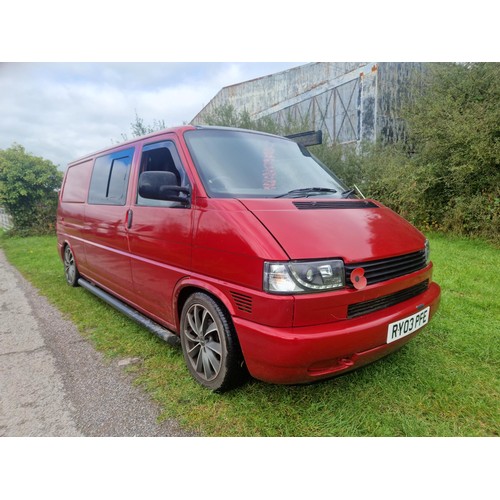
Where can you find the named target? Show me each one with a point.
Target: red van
(246, 249)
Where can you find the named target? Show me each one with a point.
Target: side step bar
(166, 335)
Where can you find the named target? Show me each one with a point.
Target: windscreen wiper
(347, 193)
(306, 192)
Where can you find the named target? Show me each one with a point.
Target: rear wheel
(70, 269)
(209, 343)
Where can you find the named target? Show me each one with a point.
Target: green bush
(28, 191)
(455, 128)
(414, 190)
(227, 116)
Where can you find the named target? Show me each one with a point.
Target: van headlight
(303, 276)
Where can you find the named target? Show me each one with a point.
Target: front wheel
(70, 269)
(209, 343)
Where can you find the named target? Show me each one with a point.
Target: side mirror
(156, 185)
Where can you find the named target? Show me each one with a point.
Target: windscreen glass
(242, 164)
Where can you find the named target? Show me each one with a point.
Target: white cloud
(62, 111)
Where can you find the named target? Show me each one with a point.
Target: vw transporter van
(246, 250)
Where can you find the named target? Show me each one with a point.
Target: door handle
(130, 216)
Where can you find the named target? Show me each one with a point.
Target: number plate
(406, 326)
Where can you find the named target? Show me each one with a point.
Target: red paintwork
(220, 245)
(356, 235)
(304, 354)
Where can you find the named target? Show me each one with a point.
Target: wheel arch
(70, 269)
(67, 243)
(186, 288)
(231, 368)
(62, 247)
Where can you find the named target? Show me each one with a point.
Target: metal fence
(5, 219)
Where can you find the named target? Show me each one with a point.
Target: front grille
(387, 269)
(333, 205)
(373, 305)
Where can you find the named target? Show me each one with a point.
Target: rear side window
(109, 182)
(77, 183)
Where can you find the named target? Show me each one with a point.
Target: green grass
(443, 383)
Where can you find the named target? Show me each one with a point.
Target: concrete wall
(350, 101)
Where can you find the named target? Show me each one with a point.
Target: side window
(109, 182)
(162, 157)
(76, 185)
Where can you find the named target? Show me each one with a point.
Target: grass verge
(443, 383)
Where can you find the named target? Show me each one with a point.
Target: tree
(28, 190)
(139, 128)
(226, 115)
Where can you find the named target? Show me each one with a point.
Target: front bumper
(304, 354)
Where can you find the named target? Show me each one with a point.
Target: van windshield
(245, 164)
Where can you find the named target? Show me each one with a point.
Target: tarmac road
(54, 383)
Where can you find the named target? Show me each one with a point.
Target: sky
(61, 111)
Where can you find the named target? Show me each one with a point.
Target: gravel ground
(54, 383)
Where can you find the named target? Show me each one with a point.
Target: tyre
(209, 344)
(70, 269)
